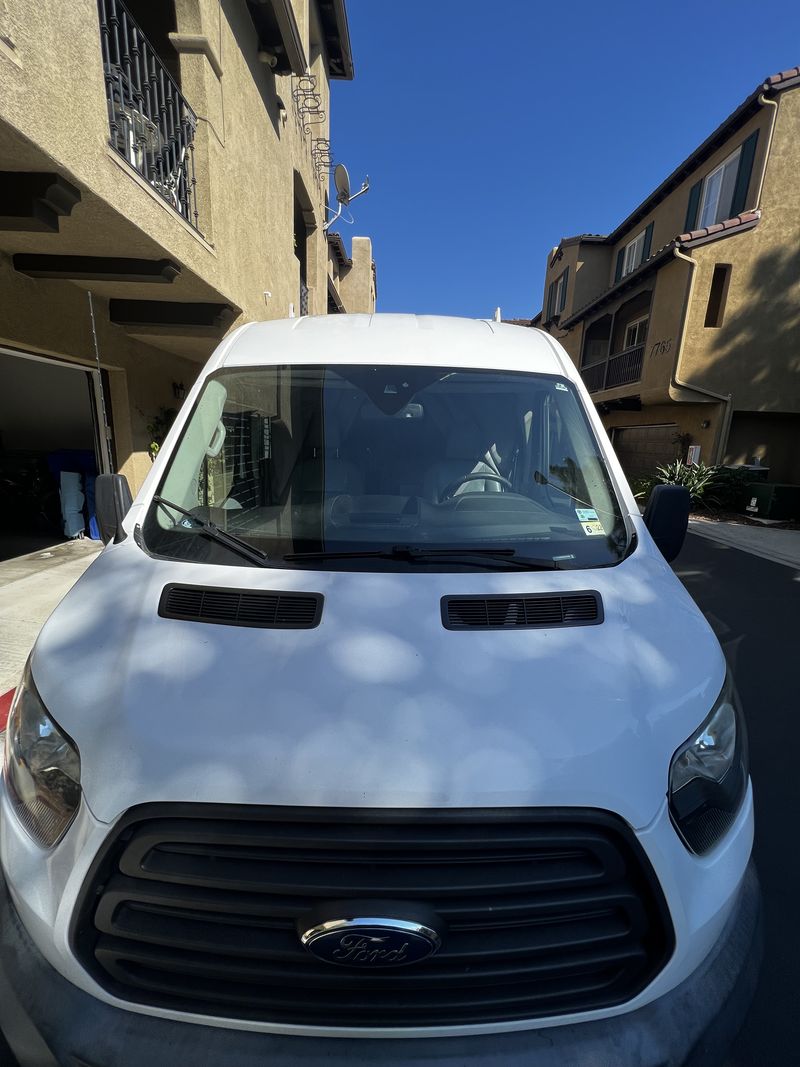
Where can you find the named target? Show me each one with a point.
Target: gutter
(724, 430)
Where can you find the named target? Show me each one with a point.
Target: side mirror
(112, 499)
(667, 518)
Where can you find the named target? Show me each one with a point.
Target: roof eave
(694, 239)
(777, 83)
(338, 249)
(336, 31)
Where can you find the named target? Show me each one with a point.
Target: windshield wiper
(222, 537)
(486, 557)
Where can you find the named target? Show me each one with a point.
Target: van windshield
(385, 468)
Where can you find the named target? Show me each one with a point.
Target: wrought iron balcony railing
(620, 369)
(594, 376)
(151, 123)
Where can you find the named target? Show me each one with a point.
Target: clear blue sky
(490, 130)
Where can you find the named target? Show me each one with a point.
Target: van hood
(379, 705)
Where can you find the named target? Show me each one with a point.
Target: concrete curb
(758, 542)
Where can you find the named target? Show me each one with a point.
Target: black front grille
(241, 607)
(546, 912)
(516, 612)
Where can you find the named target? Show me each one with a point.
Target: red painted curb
(5, 707)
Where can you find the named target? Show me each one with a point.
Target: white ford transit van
(380, 732)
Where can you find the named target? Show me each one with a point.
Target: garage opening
(640, 449)
(49, 448)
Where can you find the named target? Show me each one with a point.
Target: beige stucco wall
(591, 275)
(245, 154)
(688, 418)
(755, 353)
(357, 283)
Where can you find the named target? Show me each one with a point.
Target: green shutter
(620, 261)
(739, 201)
(550, 301)
(648, 241)
(694, 206)
(562, 302)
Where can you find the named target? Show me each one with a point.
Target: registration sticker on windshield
(593, 529)
(586, 514)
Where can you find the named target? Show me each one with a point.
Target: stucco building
(685, 320)
(173, 158)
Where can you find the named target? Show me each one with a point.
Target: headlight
(41, 766)
(708, 775)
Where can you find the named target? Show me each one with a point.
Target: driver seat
(498, 459)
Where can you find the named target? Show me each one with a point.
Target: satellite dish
(341, 179)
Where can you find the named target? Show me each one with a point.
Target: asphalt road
(754, 606)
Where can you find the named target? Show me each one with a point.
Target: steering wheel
(450, 490)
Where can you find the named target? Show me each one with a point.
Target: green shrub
(702, 481)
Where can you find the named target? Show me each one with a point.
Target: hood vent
(240, 607)
(521, 612)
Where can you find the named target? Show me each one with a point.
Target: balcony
(151, 124)
(620, 369)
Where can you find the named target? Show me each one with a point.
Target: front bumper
(49, 1022)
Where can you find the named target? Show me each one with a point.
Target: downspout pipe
(766, 102)
(724, 430)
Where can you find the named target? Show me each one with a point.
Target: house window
(557, 294)
(635, 333)
(633, 254)
(717, 197)
(718, 294)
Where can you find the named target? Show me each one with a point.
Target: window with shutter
(634, 253)
(724, 190)
(715, 204)
(557, 294)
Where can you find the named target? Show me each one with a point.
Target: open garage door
(50, 451)
(641, 449)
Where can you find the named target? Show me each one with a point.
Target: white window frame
(635, 326)
(731, 160)
(557, 290)
(634, 251)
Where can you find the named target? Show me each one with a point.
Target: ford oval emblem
(371, 942)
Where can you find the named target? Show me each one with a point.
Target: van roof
(421, 340)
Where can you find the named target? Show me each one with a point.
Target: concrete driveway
(30, 588)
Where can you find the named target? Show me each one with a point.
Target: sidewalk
(779, 546)
(30, 588)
